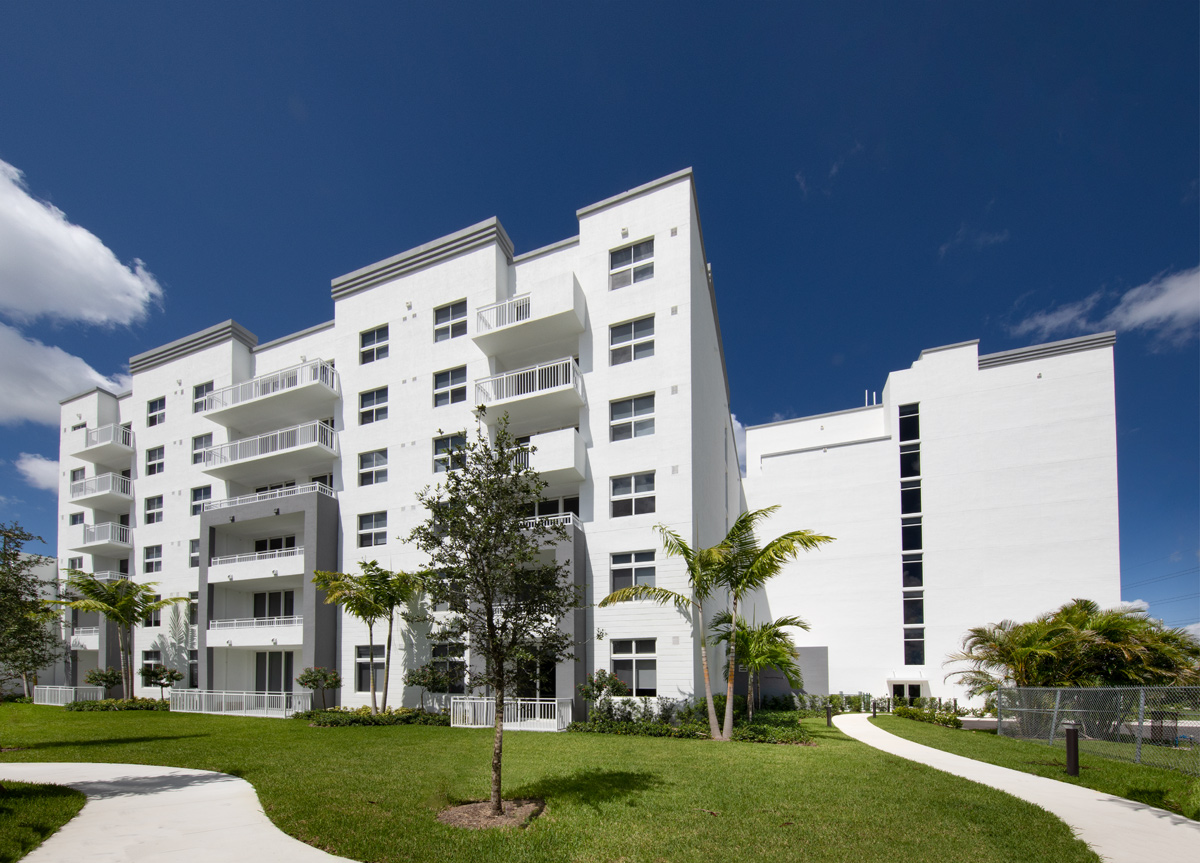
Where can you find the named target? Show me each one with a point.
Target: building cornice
(109, 393)
(228, 331)
(952, 347)
(545, 250)
(1050, 349)
(876, 407)
(486, 233)
(634, 193)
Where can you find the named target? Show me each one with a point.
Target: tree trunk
(126, 664)
(387, 662)
(714, 730)
(497, 754)
(371, 664)
(727, 730)
(24, 684)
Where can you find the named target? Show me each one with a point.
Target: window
(910, 460)
(630, 418)
(444, 458)
(448, 658)
(154, 460)
(633, 568)
(630, 264)
(635, 665)
(369, 661)
(632, 495)
(156, 411)
(199, 444)
(193, 669)
(372, 467)
(910, 497)
(200, 394)
(199, 496)
(274, 603)
(910, 423)
(193, 554)
(154, 509)
(75, 518)
(154, 618)
(450, 387)
(152, 558)
(910, 533)
(372, 529)
(151, 658)
(274, 543)
(78, 474)
(914, 607)
(193, 603)
(450, 322)
(556, 506)
(631, 341)
(275, 486)
(372, 406)
(914, 646)
(912, 574)
(75, 563)
(373, 345)
(325, 479)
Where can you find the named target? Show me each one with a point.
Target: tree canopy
(29, 634)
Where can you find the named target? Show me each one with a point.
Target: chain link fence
(1154, 725)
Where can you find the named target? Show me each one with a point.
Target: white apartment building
(232, 470)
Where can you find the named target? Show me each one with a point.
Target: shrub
(119, 704)
(755, 732)
(16, 699)
(601, 683)
(697, 711)
(105, 677)
(930, 713)
(336, 717)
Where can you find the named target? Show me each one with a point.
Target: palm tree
(391, 591)
(745, 568)
(760, 646)
(354, 594)
(123, 602)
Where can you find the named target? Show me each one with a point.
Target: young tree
(354, 594)
(429, 678)
(161, 676)
(391, 591)
(504, 598)
(761, 646)
(29, 632)
(105, 678)
(123, 602)
(320, 678)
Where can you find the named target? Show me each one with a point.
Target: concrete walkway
(136, 812)
(1119, 830)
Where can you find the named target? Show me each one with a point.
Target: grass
(372, 793)
(1166, 789)
(29, 814)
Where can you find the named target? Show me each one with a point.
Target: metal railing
(313, 371)
(57, 696)
(277, 704)
(504, 313)
(84, 631)
(566, 519)
(102, 484)
(112, 433)
(529, 381)
(109, 575)
(106, 531)
(1155, 725)
(271, 442)
(520, 714)
(251, 556)
(256, 622)
(273, 494)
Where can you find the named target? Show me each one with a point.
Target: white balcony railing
(57, 696)
(503, 313)
(279, 704)
(251, 556)
(105, 483)
(256, 622)
(281, 440)
(566, 519)
(108, 575)
(274, 494)
(85, 631)
(529, 381)
(108, 531)
(520, 714)
(313, 371)
(109, 434)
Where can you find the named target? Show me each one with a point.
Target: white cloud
(977, 239)
(37, 376)
(1135, 605)
(39, 472)
(739, 438)
(50, 268)
(1192, 629)
(1167, 307)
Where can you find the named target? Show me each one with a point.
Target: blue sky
(874, 179)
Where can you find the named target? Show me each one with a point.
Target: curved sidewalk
(1119, 830)
(138, 812)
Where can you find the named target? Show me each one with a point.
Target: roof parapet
(223, 332)
(1050, 349)
(635, 192)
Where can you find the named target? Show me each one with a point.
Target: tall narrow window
(156, 411)
(199, 496)
(910, 460)
(373, 345)
(910, 533)
(910, 497)
(372, 467)
(200, 393)
(634, 663)
(372, 529)
(633, 494)
(369, 660)
(450, 322)
(631, 341)
(914, 645)
(450, 387)
(910, 423)
(152, 558)
(200, 443)
(630, 264)
(912, 572)
(448, 658)
(193, 554)
(154, 509)
(630, 418)
(154, 618)
(914, 607)
(155, 460)
(372, 406)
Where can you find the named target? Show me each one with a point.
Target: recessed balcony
(85, 638)
(253, 566)
(569, 521)
(551, 310)
(535, 395)
(291, 395)
(108, 576)
(110, 445)
(107, 491)
(256, 632)
(107, 539)
(273, 494)
(308, 448)
(559, 456)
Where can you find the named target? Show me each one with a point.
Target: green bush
(697, 711)
(15, 699)
(930, 712)
(690, 730)
(336, 717)
(755, 732)
(770, 726)
(120, 704)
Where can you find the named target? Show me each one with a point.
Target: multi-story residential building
(232, 470)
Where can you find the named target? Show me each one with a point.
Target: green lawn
(1167, 789)
(372, 793)
(30, 813)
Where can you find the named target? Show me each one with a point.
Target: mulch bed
(478, 816)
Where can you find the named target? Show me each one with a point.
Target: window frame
(623, 273)
(200, 393)
(633, 420)
(193, 554)
(449, 656)
(200, 443)
(156, 460)
(376, 472)
(371, 659)
(454, 390)
(915, 636)
(153, 514)
(74, 518)
(375, 531)
(377, 347)
(635, 657)
(443, 459)
(199, 499)
(633, 497)
(453, 325)
(151, 559)
(154, 618)
(377, 410)
(639, 573)
(156, 411)
(75, 563)
(632, 344)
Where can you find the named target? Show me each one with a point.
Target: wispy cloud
(836, 167)
(972, 238)
(1135, 605)
(51, 268)
(1192, 629)
(1167, 308)
(824, 184)
(739, 438)
(38, 471)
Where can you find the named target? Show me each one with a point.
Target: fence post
(999, 711)
(1054, 720)
(1141, 718)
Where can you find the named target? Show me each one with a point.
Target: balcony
(107, 445)
(107, 491)
(568, 520)
(559, 457)
(85, 638)
(300, 449)
(256, 631)
(552, 310)
(107, 539)
(535, 395)
(256, 565)
(287, 396)
(108, 576)
(274, 494)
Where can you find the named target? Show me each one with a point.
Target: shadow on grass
(109, 741)
(590, 787)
